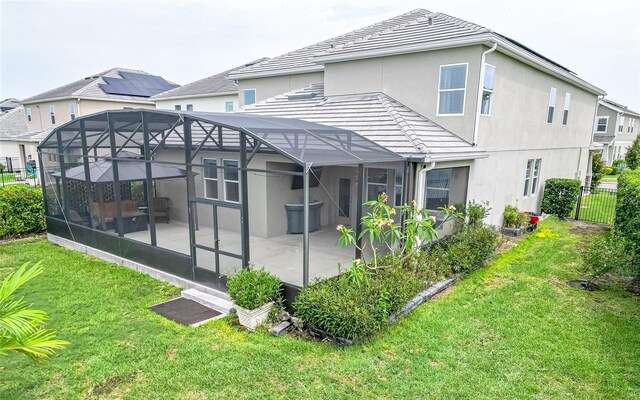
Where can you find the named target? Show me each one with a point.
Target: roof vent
(301, 96)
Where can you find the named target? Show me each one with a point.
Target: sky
(45, 44)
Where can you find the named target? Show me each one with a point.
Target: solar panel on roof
(134, 84)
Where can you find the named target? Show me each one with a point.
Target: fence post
(579, 204)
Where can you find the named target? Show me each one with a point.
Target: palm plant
(22, 327)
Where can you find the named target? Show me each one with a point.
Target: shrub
(617, 165)
(560, 196)
(21, 210)
(597, 170)
(477, 212)
(468, 249)
(604, 254)
(346, 310)
(627, 221)
(514, 218)
(608, 171)
(252, 288)
(632, 157)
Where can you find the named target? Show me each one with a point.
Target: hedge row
(560, 196)
(21, 210)
(627, 222)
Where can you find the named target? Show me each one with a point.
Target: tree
(21, 327)
(597, 167)
(633, 154)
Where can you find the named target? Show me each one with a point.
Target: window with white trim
(231, 181)
(228, 106)
(248, 96)
(531, 176)
(29, 115)
(72, 111)
(632, 124)
(601, 124)
(178, 107)
(52, 113)
(376, 182)
(189, 107)
(552, 104)
(452, 89)
(621, 124)
(565, 112)
(399, 178)
(487, 91)
(210, 177)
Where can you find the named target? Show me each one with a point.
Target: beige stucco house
(615, 128)
(486, 117)
(214, 93)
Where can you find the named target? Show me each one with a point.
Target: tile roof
(89, 88)
(375, 116)
(302, 57)
(13, 123)
(617, 107)
(214, 84)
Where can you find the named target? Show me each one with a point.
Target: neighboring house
(526, 117)
(16, 147)
(215, 93)
(616, 127)
(111, 89)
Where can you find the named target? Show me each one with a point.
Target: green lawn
(610, 178)
(599, 207)
(6, 177)
(511, 330)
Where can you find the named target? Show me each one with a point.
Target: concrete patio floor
(281, 255)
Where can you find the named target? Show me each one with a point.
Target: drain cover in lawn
(185, 311)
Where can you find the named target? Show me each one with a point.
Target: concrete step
(207, 299)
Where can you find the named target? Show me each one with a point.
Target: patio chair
(161, 206)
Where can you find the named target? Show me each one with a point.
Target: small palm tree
(21, 327)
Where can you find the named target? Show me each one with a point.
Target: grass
(599, 207)
(511, 330)
(610, 178)
(7, 177)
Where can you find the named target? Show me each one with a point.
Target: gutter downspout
(476, 126)
(79, 112)
(421, 180)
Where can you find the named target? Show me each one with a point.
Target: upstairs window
(565, 113)
(487, 91)
(228, 106)
(72, 111)
(178, 107)
(376, 182)
(632, 124)
(189, 107)
(552, 104)
(249, 96)
(52, 112)
(621, 124)
(210, 178)
(29, 116)
(601, 125)
(452, 88)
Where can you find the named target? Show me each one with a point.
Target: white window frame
(551, 109)
(255, 96)
(72, 111)
(527, 177)
(621, 124)
(484, 89)
(225, 180)
(177, 107)
(226, 106)
(535, 176)
(632, 124)
(29, 115)
(205, 178)
(386, 171)
(52, 114)
(606, 125)
(565, 109)
(189, 107)
(464, 90)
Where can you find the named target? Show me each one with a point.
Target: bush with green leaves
(353, 307)
(632, 158)
(627, 221)
(605, 254)
(21, 210)
(616, 165)
(476, 212)
(22, 327)
(560, 196)
(514, 218)
(252, 288)
(598, 170)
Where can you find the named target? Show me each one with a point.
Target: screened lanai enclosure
(199, 195)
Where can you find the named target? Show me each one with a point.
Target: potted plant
(253, 291)
(514, 221)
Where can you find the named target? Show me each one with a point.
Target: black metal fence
(597, 205)
(17, 176)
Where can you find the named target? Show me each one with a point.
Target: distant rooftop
(618, 107)
(115, 84)
(212, 85)
(9, 104)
